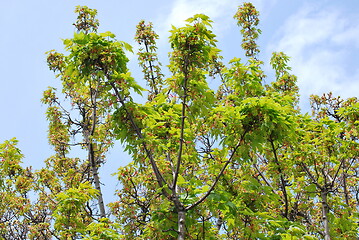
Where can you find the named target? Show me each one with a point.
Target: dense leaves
(235, 161)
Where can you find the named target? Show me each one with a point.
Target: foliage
(236, 161)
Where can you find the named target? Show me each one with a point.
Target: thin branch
(151, 70)
(337, 172)
(283, 183)
(218, 176)
(180, 150)
(310, 175)
(183, 116)
(170, 230)
(265, 180)
(160, 180)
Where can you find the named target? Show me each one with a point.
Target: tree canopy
(237, 160)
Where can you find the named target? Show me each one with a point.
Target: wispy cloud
(221, 12)
(322, 43)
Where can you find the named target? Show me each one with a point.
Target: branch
(264, 178)
(180, 150)
(151, 70)
(310, 175)
(337, 172)
(218, 176)
(183, 116)
(283, 183)
(160, 180)
(170, 230)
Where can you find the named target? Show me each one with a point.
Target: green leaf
(181, 180)
(108, 34)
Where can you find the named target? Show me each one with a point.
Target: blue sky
(321, 37)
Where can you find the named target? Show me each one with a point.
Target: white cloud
(322, 43)
(348, 36)
(219, 11)
(183, 9)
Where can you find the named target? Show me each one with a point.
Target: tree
(14, 185)
(235, 161)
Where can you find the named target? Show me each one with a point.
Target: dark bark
(282, 180)
(159, 177)
(97, 183)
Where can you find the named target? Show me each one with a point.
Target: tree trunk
(325, 209)
(96, 179)
(181, 224)
(219, 223)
